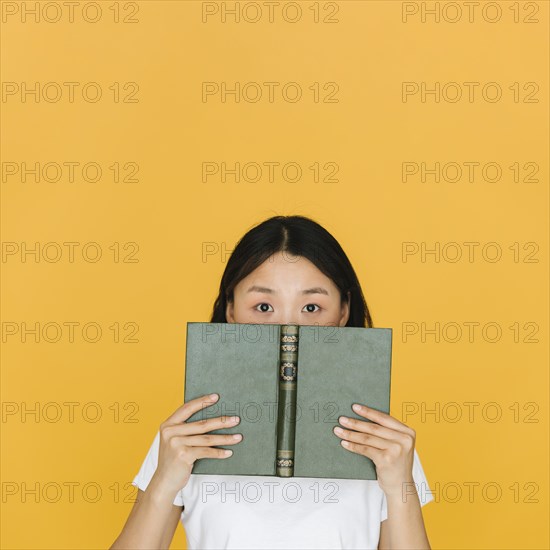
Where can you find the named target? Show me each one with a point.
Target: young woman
(288, 269)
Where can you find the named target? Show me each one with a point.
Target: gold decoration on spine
(292, 366)
(287, 347)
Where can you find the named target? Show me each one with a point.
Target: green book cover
(289, 384)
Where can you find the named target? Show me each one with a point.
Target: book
(289, 384)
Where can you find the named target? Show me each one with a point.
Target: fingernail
(213, 396)
(234, 419)
(343, 420)
(357, 407)
(228, 453)
(236, 437)
(339, 431)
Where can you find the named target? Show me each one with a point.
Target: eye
(262, 309)
(314, 305)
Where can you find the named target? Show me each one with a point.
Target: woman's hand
(182, 443)
(387, 442)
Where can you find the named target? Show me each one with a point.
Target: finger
(181, 414)
(209, 424)
(199, 426)
(366, 450)
(381, 418)
(212, 440)
(369, 427)
(363, 438)
(208, 452)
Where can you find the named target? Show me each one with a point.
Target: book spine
(286, 410)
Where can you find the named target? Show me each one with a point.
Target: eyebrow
(265, 290)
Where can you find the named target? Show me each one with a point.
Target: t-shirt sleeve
(149, 467)
(421, 484)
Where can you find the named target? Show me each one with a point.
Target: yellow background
(170, 213)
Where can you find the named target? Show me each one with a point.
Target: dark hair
(299, 236)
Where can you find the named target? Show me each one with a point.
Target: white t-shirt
(266, 512)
